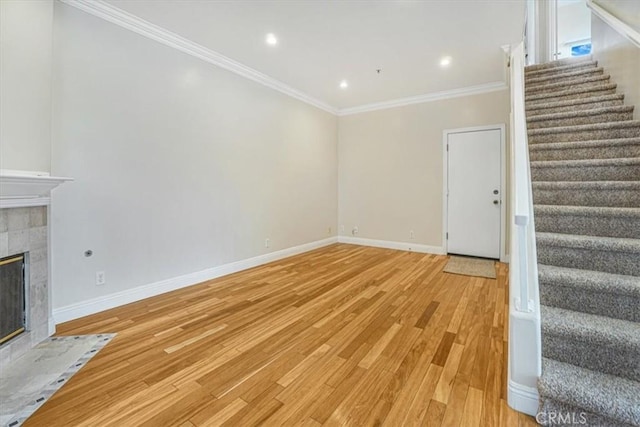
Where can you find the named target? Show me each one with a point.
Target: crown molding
(427, 97)
(133, 23)
(124, 19)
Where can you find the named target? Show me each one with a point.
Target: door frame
(503, 183)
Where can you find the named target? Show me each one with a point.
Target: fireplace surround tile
(18, 241)
(3, 221)
(18, 218)
(26, 231)
(4, 244)
(37, 238)
(38, 217)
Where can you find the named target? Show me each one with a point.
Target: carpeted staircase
(584, 149)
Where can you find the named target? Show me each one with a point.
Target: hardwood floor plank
(221, 417)
(445, 385)
(434, 415)
(472, 408)
(426, 316)
(442, 354)
(455, 406)
(421, 402)
(379, 346)
(329, 404)
(342, 335)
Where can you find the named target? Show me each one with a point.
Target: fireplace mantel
(27, 188)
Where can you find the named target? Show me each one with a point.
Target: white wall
(626, 10)
(179, 166)
(25, 84)
(619, 56)
(390, 165)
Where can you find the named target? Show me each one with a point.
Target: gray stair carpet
(535, 108)
(584, 149)
(577, 150)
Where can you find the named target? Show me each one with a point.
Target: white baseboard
(523, 399)
(95, 305)
(402, 246)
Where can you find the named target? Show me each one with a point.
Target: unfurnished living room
(315, 212)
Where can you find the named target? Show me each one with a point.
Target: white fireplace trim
(27, 188)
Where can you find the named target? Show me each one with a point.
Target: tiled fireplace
(24, 232)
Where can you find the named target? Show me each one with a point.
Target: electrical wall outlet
(328, 231)
(354, 231)
(267, 243)
(411, 235)
(101, 278)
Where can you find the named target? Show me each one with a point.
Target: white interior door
(474, 193)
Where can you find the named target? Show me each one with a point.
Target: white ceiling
(321, 43)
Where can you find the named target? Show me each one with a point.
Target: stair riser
(554, 97)
(590, 135)
(626, 198)
(532, 112)
(604, 357)
(611, 152)
(575, 298)
(581, 120)
(541, 69)
(586, 259)
(565, 76)
(588, 173)
(605, 226)
(552, 88)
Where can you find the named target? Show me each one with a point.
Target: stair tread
(594, 211)
(587, 185)
(581, 113)
(594, 243)
(571, 72)
(583, 144)
(579, 163)
(596, 88)
(605, 394)
(577, 101)
(588, 127)
(596, 281)
(595, 80)
(600, 330)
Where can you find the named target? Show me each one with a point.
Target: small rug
(32, 379)
(471, 267)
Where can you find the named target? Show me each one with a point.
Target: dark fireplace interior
(12, 297)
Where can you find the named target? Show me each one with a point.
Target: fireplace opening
(12, 297)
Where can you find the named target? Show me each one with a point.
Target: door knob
(495, 202)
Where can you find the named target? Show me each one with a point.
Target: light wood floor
(344, 335)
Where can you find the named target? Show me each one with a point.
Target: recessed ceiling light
(445, 62)
(271, 39)
(344, 84)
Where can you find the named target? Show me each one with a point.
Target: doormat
(471, 267)
(28, 382)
